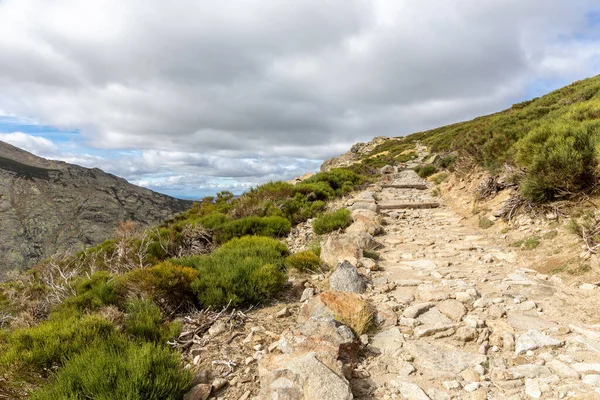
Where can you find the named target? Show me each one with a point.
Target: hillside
(50, 206)
(553, 138)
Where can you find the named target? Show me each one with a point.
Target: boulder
(198, 392)
(340, 247)
(346, 278)
(301, 376)
(363, 205)
(345, 307)
(368, 263)
(323, 335)
(452, 309)
(364, 223)
(364, 240)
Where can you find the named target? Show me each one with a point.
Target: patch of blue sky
(593, 18)
(540, 87)
(9, 124)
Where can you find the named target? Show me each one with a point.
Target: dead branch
(489, 188)
(198, 324)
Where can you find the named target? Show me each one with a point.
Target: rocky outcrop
(50, 206)
(356, 153)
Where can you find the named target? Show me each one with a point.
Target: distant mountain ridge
(48, 206)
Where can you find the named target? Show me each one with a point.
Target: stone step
(419, 186)
(405, 206)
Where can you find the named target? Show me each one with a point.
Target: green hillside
(552, 137)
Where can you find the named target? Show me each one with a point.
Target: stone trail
(458, 318)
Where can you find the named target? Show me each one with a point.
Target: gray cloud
(252, 89)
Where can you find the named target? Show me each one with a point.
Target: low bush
(529, 243)
(485, 223)
(326, 223)
(560, 160)
(257, 226)
(246, 270)
(144, 321)
(92, 293)
(425, 171)
(214, 220)
(373, 255)
(130, 371)
(406, 157)
(339, 179)
(46, 345)
(438, 177)
(304, 261)
(167, 284)
(316, 190)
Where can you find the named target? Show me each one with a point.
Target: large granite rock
(346, 278)
(347, 308)
(340, 247)
(50, 206)
(301, 376)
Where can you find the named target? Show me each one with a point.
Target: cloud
(34, 144)
(255, 88)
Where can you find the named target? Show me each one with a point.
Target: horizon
(196, 98)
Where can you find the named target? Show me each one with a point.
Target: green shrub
(258, 226)
(529, 243)
(373, 255)
(303, 261)
(337, 178)
(246, 270)
(214, 220)
(133, 372)
(167, 284)
(403, 158)
(144, 321)
(485, 223)
(560, 160)
(316, 248)
(426, 171)
(92, 293)
(448, 162)
(316, 190)
(439, 177)
(48, 343)
(326, 223)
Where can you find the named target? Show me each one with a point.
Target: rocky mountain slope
(49, 206)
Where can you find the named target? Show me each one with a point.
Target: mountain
(49, 206)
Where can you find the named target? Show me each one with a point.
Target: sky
(190, 97)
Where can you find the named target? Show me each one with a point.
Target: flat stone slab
(388, 342)
(522, 322)
(584, 342)
(442, 359)
(418, 186)
(409, 390)
(407, 206)
(533, 340)
(420, 264)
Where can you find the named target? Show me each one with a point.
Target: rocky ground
(466, 321)
(457, 316)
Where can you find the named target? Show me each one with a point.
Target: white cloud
(34, 144)
(253, 88)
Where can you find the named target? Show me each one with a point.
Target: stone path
(460, 320)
